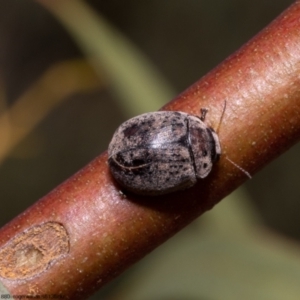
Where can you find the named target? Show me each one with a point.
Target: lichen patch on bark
(32, 251)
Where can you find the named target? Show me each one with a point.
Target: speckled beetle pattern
(161, 152)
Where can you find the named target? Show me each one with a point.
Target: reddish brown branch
(107, 231)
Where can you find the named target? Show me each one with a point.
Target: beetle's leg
(203, 112)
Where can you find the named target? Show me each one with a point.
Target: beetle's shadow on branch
(196, 198)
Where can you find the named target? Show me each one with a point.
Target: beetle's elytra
(161, 152)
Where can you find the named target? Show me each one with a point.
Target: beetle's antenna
(221, 119)
(217, 131)
(240, 168)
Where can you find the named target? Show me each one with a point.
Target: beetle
(161, 152)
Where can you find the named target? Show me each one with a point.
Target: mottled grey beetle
(161, 152)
